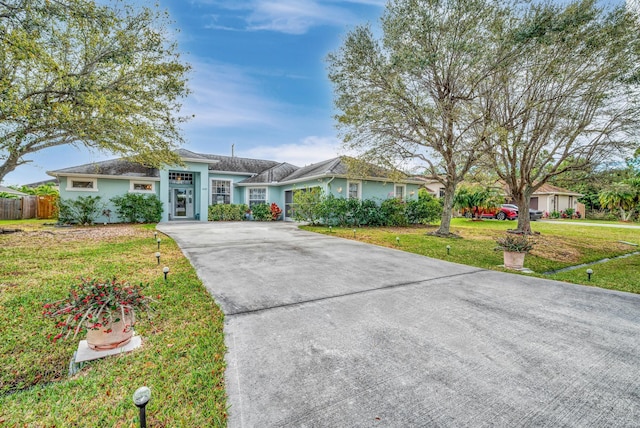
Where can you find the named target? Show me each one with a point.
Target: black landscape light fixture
(140, 398)
(165, 270)
(354, 233)
(448, 249)
(158, 257)
(397, 240)
(158, 241)
(155, 235)
(589, 273)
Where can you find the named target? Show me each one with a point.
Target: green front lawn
(182, 357)
(557, 246)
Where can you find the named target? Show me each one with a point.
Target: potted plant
(514, 248)
(105, 309)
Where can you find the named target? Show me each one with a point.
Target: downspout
(329, 182)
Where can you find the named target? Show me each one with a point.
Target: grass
(182, 357)
(557, 246)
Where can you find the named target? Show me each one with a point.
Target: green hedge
(316, 208)
(227, 212)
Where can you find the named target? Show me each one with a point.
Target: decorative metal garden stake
(448, 249)
(158, 257)
(158, 241)
(589, 273)
(140, 398)
(165, 270)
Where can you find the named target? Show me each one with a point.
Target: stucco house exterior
(206, 179)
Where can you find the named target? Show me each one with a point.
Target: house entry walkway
(328, 332)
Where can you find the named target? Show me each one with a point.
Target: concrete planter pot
(120, 333)
(513, 260)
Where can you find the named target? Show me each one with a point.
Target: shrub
(554, 214)
(367, 213)
(261, 212)
(308, 205)
(227, 212)
(394, 212)
(515, 243)
(425, 210)
(275, 211)
(81, 210)
(138, 208)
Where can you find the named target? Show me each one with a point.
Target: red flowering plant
(94, 304)
(275, 211)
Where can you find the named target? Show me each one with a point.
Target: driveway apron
(329, 332)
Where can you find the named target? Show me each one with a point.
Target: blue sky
(259, 80)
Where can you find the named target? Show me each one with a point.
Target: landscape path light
(354, 233)
(589, 273)
(448, 249)
(398, 240)
(140, 398)
(158, 241)
(165, 270)
(158, 257)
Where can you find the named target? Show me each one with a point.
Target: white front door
(182, 203)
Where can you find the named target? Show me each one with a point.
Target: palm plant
(624, 197)
(474, 199)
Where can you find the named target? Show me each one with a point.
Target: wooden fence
(28, 207)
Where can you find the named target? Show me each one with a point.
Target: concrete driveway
(328, 332)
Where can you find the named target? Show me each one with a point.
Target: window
(180, 177)
(400, 191)
(142, 187)
(441, 192)
(353, 190)
(257, 195)
(220, 192)
(82, 184)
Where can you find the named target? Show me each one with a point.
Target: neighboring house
(205, 179)
(11, 191)
(547, 198)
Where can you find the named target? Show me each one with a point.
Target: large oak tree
(80, 72)
(569, 100)
(411, 97)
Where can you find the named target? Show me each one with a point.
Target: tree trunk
(524, 222)
(447, 208)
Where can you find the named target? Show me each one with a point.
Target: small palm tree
(474, 199)
(621, 196)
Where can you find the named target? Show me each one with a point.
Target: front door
(182, 203)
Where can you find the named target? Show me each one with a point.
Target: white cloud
(286, 16)
(295, 16)
(227, 96)
(310, 150)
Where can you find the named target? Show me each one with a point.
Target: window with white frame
(142, 186)
(257, 195)
(353, 190)
(220, 192)
(82, 184)
(400, 191)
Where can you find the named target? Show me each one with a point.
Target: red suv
(504, 212)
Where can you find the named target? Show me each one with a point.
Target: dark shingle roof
(230, 164)
(117, 167)
(333, 166)
(273, 175)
